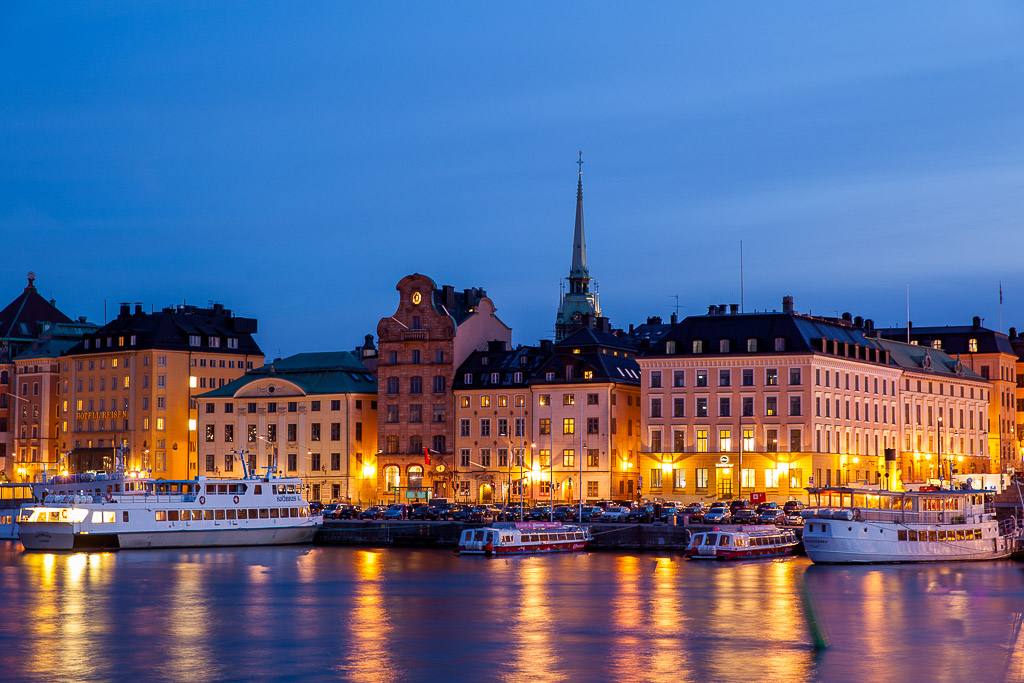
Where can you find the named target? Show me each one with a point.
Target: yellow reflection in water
(531, 638)
(370, 627)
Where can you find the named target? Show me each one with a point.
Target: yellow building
(133, 382)
(311, 415)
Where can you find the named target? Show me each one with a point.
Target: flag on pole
(426, 455)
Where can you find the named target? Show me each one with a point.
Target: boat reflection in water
(292, 613)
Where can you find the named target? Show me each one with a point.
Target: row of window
(415, 358)
(291, 464)
(483, 458)
(569, 425)
(502, 427)
(392, 414)
(291, 432)
(438, 444)
(214, 342)
(501, 401)
(570, 399)
(771, 406)
(228, 513)
(416, 385)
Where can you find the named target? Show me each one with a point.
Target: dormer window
(485, 360)
(723, 346)
(495, 378)
(549, 376)
(670, 348)
(468, 378)
(752, 345)
(698, 346)
(517, 377)
(195, 340)
(214, 342)
(937, 344)
(780, 343)
(972, 345)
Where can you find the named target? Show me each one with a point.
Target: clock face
(439, 468)
(576, 315)
(417, 298)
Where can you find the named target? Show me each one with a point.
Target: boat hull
(746, 554)
(873, 543)
(63, 537)
(504, 550)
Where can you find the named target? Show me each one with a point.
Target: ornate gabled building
(432, 332)
(579, 306)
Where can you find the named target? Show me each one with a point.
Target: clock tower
(579, 306)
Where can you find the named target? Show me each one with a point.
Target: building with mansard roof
(132, 383)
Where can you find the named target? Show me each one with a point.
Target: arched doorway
(415, 474)
(486, 493)
(391, 478)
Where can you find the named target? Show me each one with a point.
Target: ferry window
(231, 514)
(912, 535)
(960, 535)
(942, 535)
(933, 536)
(264, 513)
(222, 488)
(211, 488)
(295, 512)
(218, 514)
(254, 514)
(305, 512)
(901, 535)
(273, 513)
(259, 489)
(197, 515)
(97, 516)
(172, 515)
(207, 514)
(243, 513)
(724, 540)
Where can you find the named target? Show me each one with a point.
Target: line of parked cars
(721, 512)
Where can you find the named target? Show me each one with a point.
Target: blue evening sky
(294, 160)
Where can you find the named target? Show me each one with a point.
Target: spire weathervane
(580, 163)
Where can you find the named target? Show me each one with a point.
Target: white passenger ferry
(521, 538)
(147, 513)
(743, 543)
(854, 525)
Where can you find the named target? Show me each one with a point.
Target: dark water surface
(321, 613)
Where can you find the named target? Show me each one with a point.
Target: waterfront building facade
(311, 415)
(494, 439)
(132, 384)
(586, 421)
(991, 355)
(432, 332)
(33, 335)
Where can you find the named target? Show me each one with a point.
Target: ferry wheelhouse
(12, 497)
(172, 514)
(520, 538)
(746, 542)
(854, 525)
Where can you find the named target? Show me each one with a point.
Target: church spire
(579, 243)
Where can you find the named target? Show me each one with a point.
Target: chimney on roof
(495, 346)
(81, 318)
(546, 345)
(138, 308)
(1013, 333)
(721, 309)
(654, 320)
(858, 322)
(787, 304)
(869, 326)
(734, 309)
(674, 318)
(848, 317)
(126, 310)
(631, 328)
(712, 309)
(977, 321)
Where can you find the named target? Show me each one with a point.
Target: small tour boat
(520, 538)
(745, 542)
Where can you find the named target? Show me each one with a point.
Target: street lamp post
(940, 448)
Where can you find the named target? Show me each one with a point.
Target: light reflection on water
(393, 614)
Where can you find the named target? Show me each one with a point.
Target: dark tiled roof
(587, 338)
(955, 339)
(918, 358)
(22, 317)
(481, 365)
(335, 372)
(613, 361)
(171, 328)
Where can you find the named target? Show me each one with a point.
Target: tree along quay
(443, 534)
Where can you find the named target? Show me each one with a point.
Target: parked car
(396, 511)
(372, 512)
(461, 513)
(541, 513)
(794, 518)
(560, 511)
(739, 504)
(330, 511)
(349, 511)
(643, 514)
(744, 516)
(510, 513)
(772, 516)
(792, 505)
(695, 511)
(767, 506)
(717, 515)
(615, 514)
(425, 512)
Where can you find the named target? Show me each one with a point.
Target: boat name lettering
(285, 498)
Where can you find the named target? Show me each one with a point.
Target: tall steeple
(579, 306)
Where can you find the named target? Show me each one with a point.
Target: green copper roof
(332, 372)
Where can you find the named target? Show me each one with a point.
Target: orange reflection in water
(371, 657)
(531, 641)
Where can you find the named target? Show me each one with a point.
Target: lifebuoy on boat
(202, 500)
(236, 500)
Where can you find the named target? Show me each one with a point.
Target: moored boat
(521, 538)
(173, 514)
(742, 543)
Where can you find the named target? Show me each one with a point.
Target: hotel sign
(100, 415)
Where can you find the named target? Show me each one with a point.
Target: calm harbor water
(367, 614)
